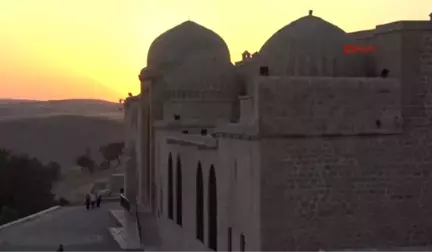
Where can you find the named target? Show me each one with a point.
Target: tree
(104, 165)
(8, 214)
(25, 186)
(111, 152)
(87, 162)
(121, 101)
(54, 169)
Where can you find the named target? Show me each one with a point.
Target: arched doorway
(212, 210)
(170, 188)
(199, 204)
(179, 192)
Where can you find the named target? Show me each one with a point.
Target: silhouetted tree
(121, 101)
(8, 214)
(104, 165)
(4, 154)
(112, 151)
(25, 186)
(87, 162)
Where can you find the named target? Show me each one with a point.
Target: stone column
(131, 175)
(145, 169)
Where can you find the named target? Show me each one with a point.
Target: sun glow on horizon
(95, 49)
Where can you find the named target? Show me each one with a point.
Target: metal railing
(138, 222)
(124, 202)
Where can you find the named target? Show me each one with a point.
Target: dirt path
(74, 187)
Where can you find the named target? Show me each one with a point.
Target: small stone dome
(149, 73)
(177, 44)
(204, 76)
(309, 46)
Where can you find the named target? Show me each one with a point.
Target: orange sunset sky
(57, 49)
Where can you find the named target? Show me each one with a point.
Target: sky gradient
(60, 49)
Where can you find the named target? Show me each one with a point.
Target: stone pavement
(74, 227)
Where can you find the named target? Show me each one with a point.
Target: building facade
(300, 146)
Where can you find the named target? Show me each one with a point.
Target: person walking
(87, 201)
(93, 200)
(98, 200)
(60, 248)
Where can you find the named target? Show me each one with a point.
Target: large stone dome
(187, 39)
(311, 30)
(203, 76)
(309, 46)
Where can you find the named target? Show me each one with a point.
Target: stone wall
(236, 164)
(404, 48)
(425, 72)
(132, 108)
(132, 146)
(247, 110)
(328, 106)
(210, 111)
(174, 236)
(239, 161)
(144, 168)
(359, 191)
(117, 183)
(347, 192)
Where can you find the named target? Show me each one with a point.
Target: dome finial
(430, 16)
(310, 12)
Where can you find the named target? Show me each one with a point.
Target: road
(74, 227)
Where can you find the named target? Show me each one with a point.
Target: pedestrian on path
(93, 200)
(87, 201)
(98, 200)
(60, 248)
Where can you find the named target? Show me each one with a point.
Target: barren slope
(59, 138)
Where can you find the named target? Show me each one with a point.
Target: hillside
(59, 130)
(12, 109)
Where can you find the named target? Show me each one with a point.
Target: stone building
(299, 146)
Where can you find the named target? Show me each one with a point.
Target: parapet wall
(210, 111)
(295, 106)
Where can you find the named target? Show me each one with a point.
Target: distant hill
(10, 109)
(59, 130)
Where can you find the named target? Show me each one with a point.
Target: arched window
(170, 189)
(242, 243)
(229, 239)
(179, 193)
(161, 196)
(212, 210)
(199, 204)
(161, 201)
